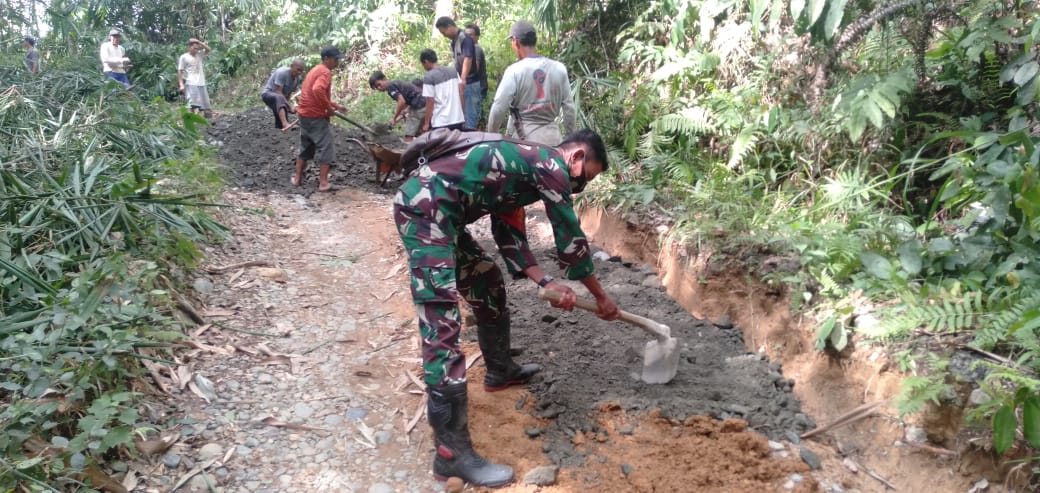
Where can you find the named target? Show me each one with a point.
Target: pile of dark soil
(262, 158)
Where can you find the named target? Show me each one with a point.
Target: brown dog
(387, 161)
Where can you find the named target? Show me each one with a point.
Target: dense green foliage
(94, 221)
(891, 147)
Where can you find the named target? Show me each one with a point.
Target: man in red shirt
(315, 108)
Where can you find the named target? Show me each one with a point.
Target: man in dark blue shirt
(464, 51)
(473, 31)
(411, 105)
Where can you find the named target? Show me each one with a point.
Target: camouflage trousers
(445, 262)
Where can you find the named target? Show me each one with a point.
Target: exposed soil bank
(827, 387)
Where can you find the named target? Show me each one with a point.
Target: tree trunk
(442, 8)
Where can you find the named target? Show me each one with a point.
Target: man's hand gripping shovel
(661, 356)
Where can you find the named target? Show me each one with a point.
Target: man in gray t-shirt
(279, 88)
(32, 57)
(533, 92)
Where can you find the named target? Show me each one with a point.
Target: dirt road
(314, 366)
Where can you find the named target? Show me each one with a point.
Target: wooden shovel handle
(656, 329)
(354, 123)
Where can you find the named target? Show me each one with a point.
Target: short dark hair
(428, 55)
(593, 141)
(417, 83)
(30, 40)
(444, 21)
(475, 28)
(375, 77)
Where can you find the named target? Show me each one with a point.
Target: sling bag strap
(443, 141)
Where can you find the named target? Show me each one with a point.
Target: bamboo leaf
(26, 277)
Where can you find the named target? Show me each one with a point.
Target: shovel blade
(660, 360)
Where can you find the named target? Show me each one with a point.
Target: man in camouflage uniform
(431, 210)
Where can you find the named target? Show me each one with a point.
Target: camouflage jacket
(500, 178)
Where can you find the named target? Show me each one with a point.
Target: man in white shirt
(192, 78)
(441, 90)
(533, 92)
(113, 59)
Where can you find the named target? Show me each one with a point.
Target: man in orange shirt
(315, 108)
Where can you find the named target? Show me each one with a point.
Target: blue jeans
(474, 103)
(126, 80)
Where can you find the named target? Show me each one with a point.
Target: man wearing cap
(443, 98)
(411, 105)
(32, 57)
(432, 209)
(280, 86)
(463, 51)
(534, 91)
(113, 59)
(315, 108)
(192, 78)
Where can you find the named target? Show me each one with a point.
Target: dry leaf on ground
(271, 421)
(155, 446)
(393, 272)
(273, 273)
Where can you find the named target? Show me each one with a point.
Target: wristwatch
(545, 281)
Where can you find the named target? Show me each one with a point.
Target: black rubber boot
(502, 371)
(446, 409)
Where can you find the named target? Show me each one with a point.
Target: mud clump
(262, 158)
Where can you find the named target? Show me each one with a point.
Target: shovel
(661, 356)
(356, 124)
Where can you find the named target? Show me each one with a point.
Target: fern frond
(1000, 376)
(941, 316)
(918, 391)
(827, 283)
(1012, 313)
(689, 122)
(744, 143)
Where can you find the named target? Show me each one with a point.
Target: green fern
(1016, 312)
(941, 316)
(827, 283)
(871, 99)
(742, 145)
(643, 109)
(918, 391)
(689, 122)
(999, 376)
(843, 252)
